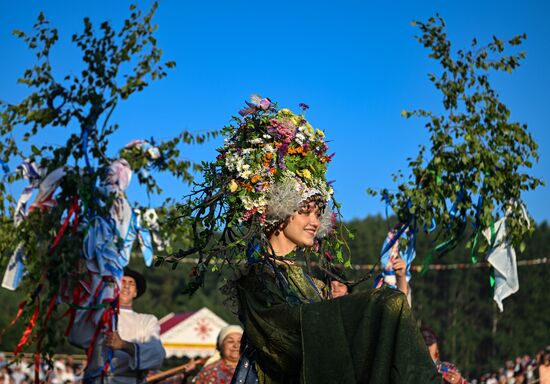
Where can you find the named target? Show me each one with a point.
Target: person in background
(338, 287)
(448, 370)
(135, 344)
(220, 368)
(544, 370)
(400, 268)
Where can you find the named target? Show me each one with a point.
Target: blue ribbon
(432, 228)
(459, 197)
(252, 250)
(84, 139)
(388, 205)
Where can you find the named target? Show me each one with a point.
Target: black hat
(141, 284)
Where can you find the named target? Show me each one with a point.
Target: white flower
(257, 140)
(261, 204)
(239, 164)
(247, 202)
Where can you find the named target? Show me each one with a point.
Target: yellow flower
(233, 186)
(285, 112)
(304, 173)
(297, 120)
(320, 133)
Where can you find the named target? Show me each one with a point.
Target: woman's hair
(342, 278)
(289, 197)
(301, 208)
(428, 335)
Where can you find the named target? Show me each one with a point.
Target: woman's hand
(453, 377)
(400, 268)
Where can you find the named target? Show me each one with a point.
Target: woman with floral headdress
(267, 203)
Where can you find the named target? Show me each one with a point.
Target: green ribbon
(433, 250)
(492, 242)
(474, 258)
(492, 279)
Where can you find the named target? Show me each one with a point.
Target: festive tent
(190, 333)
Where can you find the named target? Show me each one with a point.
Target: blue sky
(356, 63)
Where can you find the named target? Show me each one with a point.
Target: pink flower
(264, 104)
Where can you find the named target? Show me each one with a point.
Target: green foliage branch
(116, 64)
(476, 150)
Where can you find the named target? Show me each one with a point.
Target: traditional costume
(143, 330)
(273, 165)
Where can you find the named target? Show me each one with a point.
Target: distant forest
(457, 304)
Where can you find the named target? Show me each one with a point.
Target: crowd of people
(64, 371)
(524, 369)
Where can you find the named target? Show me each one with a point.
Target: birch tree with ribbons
(71, 230)
(476, 169)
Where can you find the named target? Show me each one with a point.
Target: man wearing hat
(135, 345)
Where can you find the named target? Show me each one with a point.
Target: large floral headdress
(273, 162)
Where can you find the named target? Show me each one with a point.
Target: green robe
(365, 337)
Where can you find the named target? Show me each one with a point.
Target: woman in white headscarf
(220, 368)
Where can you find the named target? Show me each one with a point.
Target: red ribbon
(36, 367)
(17, 316)
(77, 298)
(72, 210)
(106, 319)
(28, 331)
(51, 307)
(43, 205)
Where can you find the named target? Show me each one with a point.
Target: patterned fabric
(215, 373)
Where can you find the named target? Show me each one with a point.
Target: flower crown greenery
(272, 162)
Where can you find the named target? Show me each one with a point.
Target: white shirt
(141, 329)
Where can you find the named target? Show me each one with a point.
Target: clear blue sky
(356, 63)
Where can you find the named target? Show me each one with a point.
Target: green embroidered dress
(365, 337)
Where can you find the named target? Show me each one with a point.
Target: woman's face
(434, 351)
(303, 226)
(230, 348)
(338, 289)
